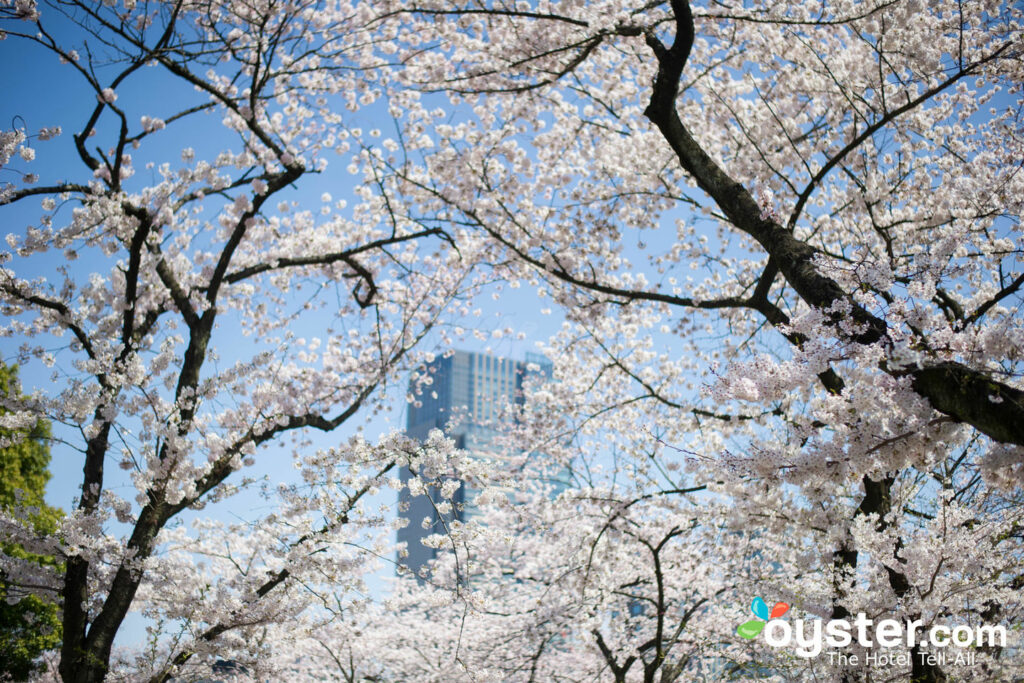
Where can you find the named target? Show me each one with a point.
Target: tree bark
(967, 395)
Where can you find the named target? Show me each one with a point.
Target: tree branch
(952, 388)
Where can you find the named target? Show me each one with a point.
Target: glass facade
(467, 399)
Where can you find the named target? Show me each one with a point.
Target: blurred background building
(469, 400)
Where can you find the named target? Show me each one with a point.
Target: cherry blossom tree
(789, 232)
(198, 308)
(785, 239)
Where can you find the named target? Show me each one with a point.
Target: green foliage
(32, 625)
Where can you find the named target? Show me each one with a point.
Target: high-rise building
(475, 389)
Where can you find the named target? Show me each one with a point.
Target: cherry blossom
(784, 237)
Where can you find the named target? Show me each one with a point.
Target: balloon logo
(751, 629)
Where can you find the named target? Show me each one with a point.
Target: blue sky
(39, 91)
(42, 92)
